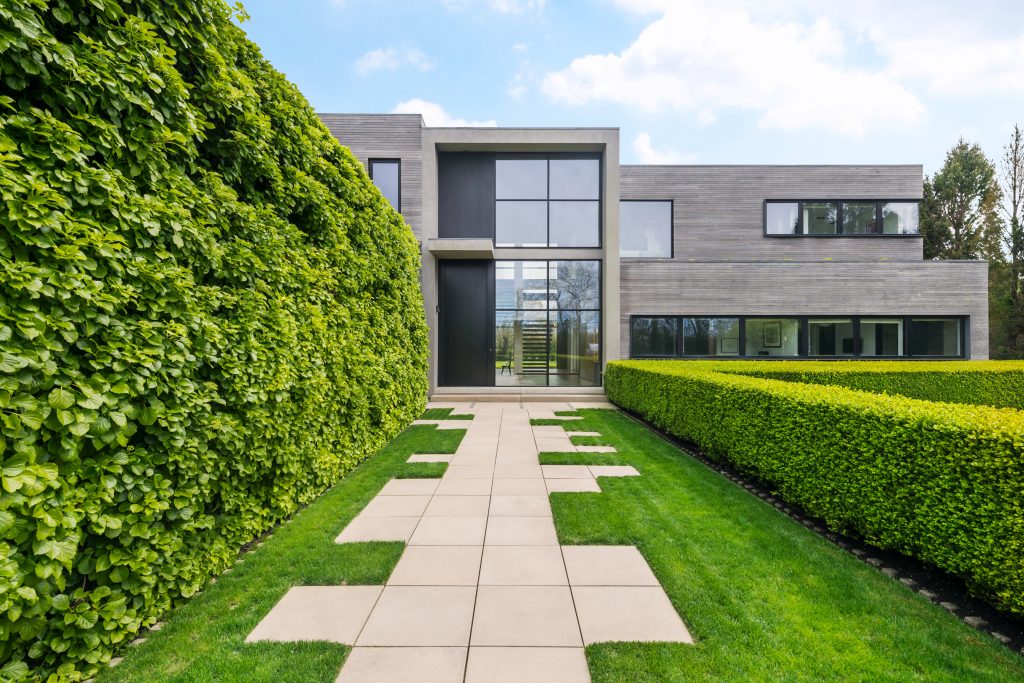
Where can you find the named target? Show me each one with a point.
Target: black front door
(466, 323)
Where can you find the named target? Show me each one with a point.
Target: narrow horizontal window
(645, 229)
(711, 336)
(653, 337)
(860, 218)
(782, 218)
(900, 218)
(831, 337)
(843, 218)
(820, 218)
(938, 337)
(773, 337)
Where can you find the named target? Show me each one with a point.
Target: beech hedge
(208, 314)
(938, 481)
(993, 383)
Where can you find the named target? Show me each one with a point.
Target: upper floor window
(547, 202)
(841, 218)
(386, 174)
(645, 229)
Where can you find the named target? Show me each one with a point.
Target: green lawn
(765, 598)
(443, 414)
(204, 639)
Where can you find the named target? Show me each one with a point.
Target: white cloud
(701, 56)
(647, 154)
(392, 59)
(435, 116)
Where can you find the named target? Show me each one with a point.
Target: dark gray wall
(387, 136)
(709, 288)
(465, 194)
(719, 210)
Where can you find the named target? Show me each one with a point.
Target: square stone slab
(420, 616)
(566, 472)
(449, 531)
(471, 460)
(519, 487)
(331, 613)
(525, 615)
(520, 506)
(458, 506)
(522, 565)
(521, 531)
(619, 613)
(389, 664)
(469, 472)
(518, 471)
(532, 664)
(545, 445)
(431, 457)
(409, 487)
(432, 565)
(614, 471)
(464, 487)
(378, 529)
(607, 565)
(395, 506)
(596, 449)
(588, 485)
(549, 431)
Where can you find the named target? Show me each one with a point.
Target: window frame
(840, 218)
(548, 157)
(387, 160)
(803, 346)
(671, 230)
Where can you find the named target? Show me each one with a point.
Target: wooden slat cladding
(387, 136)
(719, 210)
(922, 288)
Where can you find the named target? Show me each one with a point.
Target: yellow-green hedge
(993, 383)
(942, 482)
(208, 314)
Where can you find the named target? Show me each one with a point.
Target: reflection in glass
(859, 219)
(831, 337)
(575, 348)
(773, 337)
(820, 218)
(520, 224)
(385, 175)
(575, 224)
(711, 336)
(575, 179)
(934, 337)
(645, 229)
(520, 348)
(900, 218)
(653, 337)
(521, 284)
(783, 218)
(881, 337)
(521, 179)
(576, 284)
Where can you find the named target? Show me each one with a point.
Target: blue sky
(686, 81)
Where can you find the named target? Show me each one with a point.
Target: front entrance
(466, 323)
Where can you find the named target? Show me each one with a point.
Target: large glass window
(575, 179)
(831, 337)
(820, 218)
(645, 229)
(521, 179)
(860, 218)
(386, 174)
(521, 224)
(782, 218)
(773, 337)
(547, 323)
(900, 218)
(653, 337)
(935, 337)
(574, 224)
(881, 337)
(711, 336)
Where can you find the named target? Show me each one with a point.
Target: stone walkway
(483, 591)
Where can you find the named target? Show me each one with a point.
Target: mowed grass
(204, 640)
(765, 598)
(443, 414)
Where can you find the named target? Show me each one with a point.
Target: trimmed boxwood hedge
(208, 314)
(942, 482)
(993, 383)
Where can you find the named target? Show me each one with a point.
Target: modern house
(544, 258)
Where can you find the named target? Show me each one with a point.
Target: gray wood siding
(719, 210)
(922, 288)
(387, 136)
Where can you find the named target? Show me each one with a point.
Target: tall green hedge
(208, 314)
(939, 481)
(992, 383)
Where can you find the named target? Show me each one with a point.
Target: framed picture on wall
(772, 331)
(729, 345)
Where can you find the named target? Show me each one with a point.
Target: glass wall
(547, 202)
(662, 336)
(547, 323)
(645, 229)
